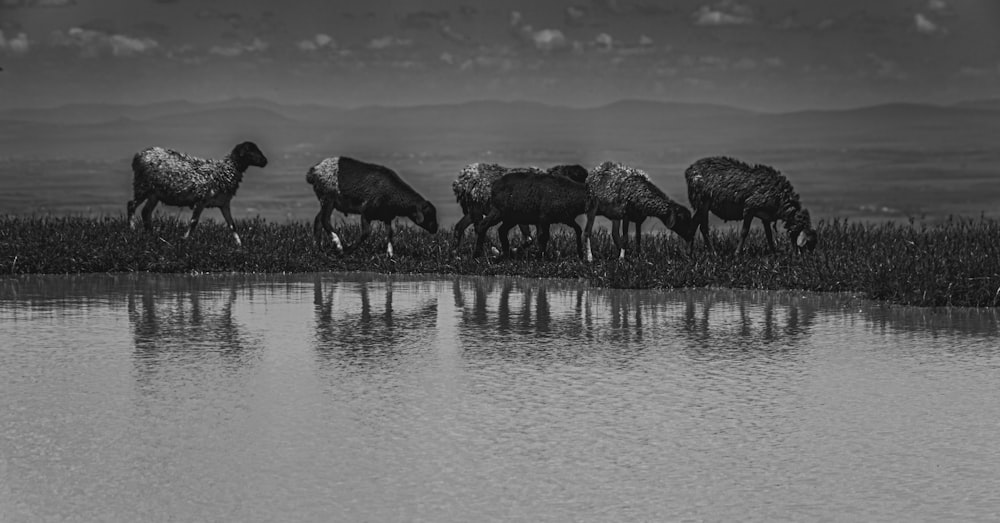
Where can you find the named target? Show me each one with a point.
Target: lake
(362, 397)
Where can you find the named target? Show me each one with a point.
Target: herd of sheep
(490, 194)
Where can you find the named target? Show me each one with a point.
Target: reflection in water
(721, 320)
(712, 320)
(370, 397)
(351, 329)
(179, 320)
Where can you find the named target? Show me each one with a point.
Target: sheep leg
(746, 230)
(638, 235)
(322, 222)
(769, 236)
(588, 229)
(701, 222)
(481, 228)
(228, 215)
(195, 216)
(131, 207)
(147, 212)
(579, 239)
(543, 236)
(503, 232)
(460, 228)
(616, 236)
(624, 237)
(388, 233)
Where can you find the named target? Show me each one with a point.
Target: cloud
(389, 41)
(317, 42)
(231, 51)
(37, 3)
(92, 43)
(727, 12)
(886, 68)
(604, 42)
(449, 33)
(549, 39)
(543, 39)
(424, 19)
(575, 15)
(925, 25)
(16, 45)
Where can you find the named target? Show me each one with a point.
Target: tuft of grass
(954, 263)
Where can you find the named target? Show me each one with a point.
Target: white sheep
(623, 194)
(175, 178)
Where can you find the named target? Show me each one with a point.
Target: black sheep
(472, 192)
(524, 197)
(733, 190)
(373, 191)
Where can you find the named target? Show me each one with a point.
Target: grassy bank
(955, 263)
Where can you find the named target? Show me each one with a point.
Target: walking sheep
(174, 178)
(373, 191)
(472, 192)
(623, 194)
(525, 197)
(733, 190)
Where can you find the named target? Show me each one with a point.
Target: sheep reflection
(712, 318)
(728, 324)
(176, 320)
(359, 322)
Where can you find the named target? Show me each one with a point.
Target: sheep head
(679, 220)
(248, 154)
(426, 217)
(801, 232)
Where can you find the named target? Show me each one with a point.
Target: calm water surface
(377, 398)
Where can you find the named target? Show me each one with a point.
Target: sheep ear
(417, 217)
(671, 220)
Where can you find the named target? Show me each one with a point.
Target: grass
(954, 263)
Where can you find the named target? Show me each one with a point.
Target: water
(374, 398)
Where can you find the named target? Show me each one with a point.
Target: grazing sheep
(472, 191)
(174, 178)
(733, 190)
(623, 194)
(373, 191)
(529, 198)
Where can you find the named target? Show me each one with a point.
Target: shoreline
(953, 264)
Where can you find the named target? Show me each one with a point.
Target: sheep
(623, 194)
(174, 178)
(527, 197)
(373, 191)
(472, 192)
(733, 190)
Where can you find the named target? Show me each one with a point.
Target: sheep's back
(622, 189)
(181, 179)
(527, 197)
(728, 187)
(473, 186)
(351, 184)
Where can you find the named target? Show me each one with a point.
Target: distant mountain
(990, 104)
(613, 129)
(82, 114)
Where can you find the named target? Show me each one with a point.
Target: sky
(774, 55)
